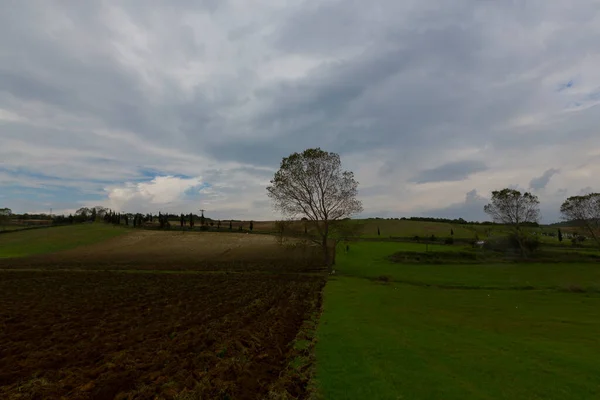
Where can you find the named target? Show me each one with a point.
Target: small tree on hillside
(514, 209)
(585, 211)
(560, 236)
(251, 227)
(378, 232)
(191, 220)
(182, 220)
(451, 232)
(5, 214)
(312, 184)
(230, 225)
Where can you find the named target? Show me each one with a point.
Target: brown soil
(143, 249)
(148, 335)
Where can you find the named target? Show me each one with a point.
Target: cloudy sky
(177, 105)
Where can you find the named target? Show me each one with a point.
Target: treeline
(28, 217)
(457, 221)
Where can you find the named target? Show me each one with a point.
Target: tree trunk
(326, 253)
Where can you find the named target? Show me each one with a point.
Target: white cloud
(93, 96)
(160, 192)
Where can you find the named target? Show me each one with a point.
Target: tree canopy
(513, 208)
(585, 211)
(313, 185)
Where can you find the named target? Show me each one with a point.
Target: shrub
(449, 241)
(510, 243)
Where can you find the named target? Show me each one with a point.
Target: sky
(181, 105)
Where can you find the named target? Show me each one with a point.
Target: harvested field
(145, 335)
(141, 249)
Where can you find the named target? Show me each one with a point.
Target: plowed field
(106, 335)
(159, 315)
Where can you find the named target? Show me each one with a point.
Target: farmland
(152, 315)
(48, 240)
(458, 331)
(96, 311)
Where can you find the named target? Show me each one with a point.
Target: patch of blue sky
(194, 191)
(54, 193)
(565, 86)
(147, 174)
(24, 173)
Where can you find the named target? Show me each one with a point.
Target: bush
(510, 243)
(449, 241)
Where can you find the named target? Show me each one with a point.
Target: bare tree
(514, 209)
(585, 211)
(312, 184)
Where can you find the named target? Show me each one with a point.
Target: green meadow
(49, 240)
(419, 331)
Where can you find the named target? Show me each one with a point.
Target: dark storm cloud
(471, 209)
(541, 181)
(454, 171)
(108, 90)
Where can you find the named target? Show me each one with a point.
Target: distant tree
(126, 218)
(240, 228)
(313, 185)
(181, 220)
(219, 224)
(514, 209)
(585, 212)
(230, 225)
(100, 211)
(451, 232)
(251, 226)
(83, 214)
(202, 219)
(5, 214)
(560, 236)
(378, 232)
(191, 220)
(94, 214)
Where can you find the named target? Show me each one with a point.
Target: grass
(11, 227)
(369, 260)
(41, 241)
(390, 340)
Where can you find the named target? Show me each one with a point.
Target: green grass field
(482, 340)
(48, 240)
